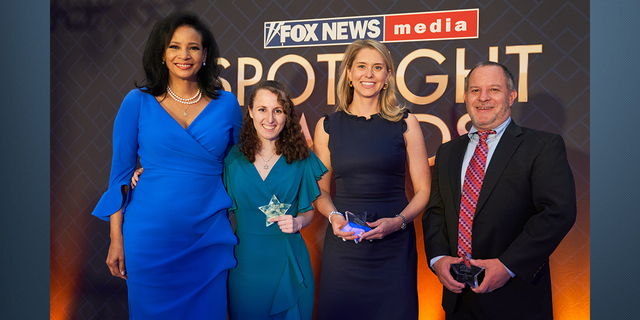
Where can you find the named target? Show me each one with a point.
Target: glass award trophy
(274, 209)
(356, 223)
(465, 272)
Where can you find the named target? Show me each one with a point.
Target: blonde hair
(389, 107)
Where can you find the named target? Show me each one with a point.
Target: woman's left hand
(287, 223)
(136, 177)
(382, 228)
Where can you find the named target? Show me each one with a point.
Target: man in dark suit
(525, 207)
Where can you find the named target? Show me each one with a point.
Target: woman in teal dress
(272, 170)
(170, 237)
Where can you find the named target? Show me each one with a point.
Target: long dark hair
(157, 74)
(291, 142)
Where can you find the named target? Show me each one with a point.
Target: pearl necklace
(266, 163)
(188, 102)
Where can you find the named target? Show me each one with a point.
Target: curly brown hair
(290, 143)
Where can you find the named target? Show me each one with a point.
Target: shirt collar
(499, 129)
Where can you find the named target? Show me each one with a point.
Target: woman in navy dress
(366, 145)
(170, 237)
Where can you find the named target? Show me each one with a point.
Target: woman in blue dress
(271, 173)
(170, 237)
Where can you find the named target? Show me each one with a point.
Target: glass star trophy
(274, 209)
(465, 272)
(356, 223)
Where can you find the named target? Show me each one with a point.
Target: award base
(357, 229)
(470, 275)
(356, 223)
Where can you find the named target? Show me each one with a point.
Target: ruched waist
(178, 186)
(177, 202)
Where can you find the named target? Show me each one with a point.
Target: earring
(204, 63)
(385, 86)
(162, 62)
(350, 83)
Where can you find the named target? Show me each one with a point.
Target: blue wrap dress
(178, 242)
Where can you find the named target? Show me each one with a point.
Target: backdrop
(96, 53)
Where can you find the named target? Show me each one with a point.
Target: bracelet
(334, 212)
(404, 221)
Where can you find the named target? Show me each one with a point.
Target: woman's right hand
(136, 177)
(115, 259)
(337, 223)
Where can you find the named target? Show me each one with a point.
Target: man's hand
(495, 275)
(442, 267)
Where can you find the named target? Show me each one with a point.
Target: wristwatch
(404, 221)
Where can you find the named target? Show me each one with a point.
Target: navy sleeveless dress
(372, 279)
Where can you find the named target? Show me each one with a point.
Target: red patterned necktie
(470, 191)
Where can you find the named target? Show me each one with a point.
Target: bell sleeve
(125, 157)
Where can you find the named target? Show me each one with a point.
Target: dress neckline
(361, 118)
(273, 167)
(174, 119)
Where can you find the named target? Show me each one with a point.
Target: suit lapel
(458, 148)
(502, 155)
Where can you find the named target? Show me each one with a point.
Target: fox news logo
(421, 26)
(305, 33)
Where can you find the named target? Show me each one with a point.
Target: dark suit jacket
(526, 206)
